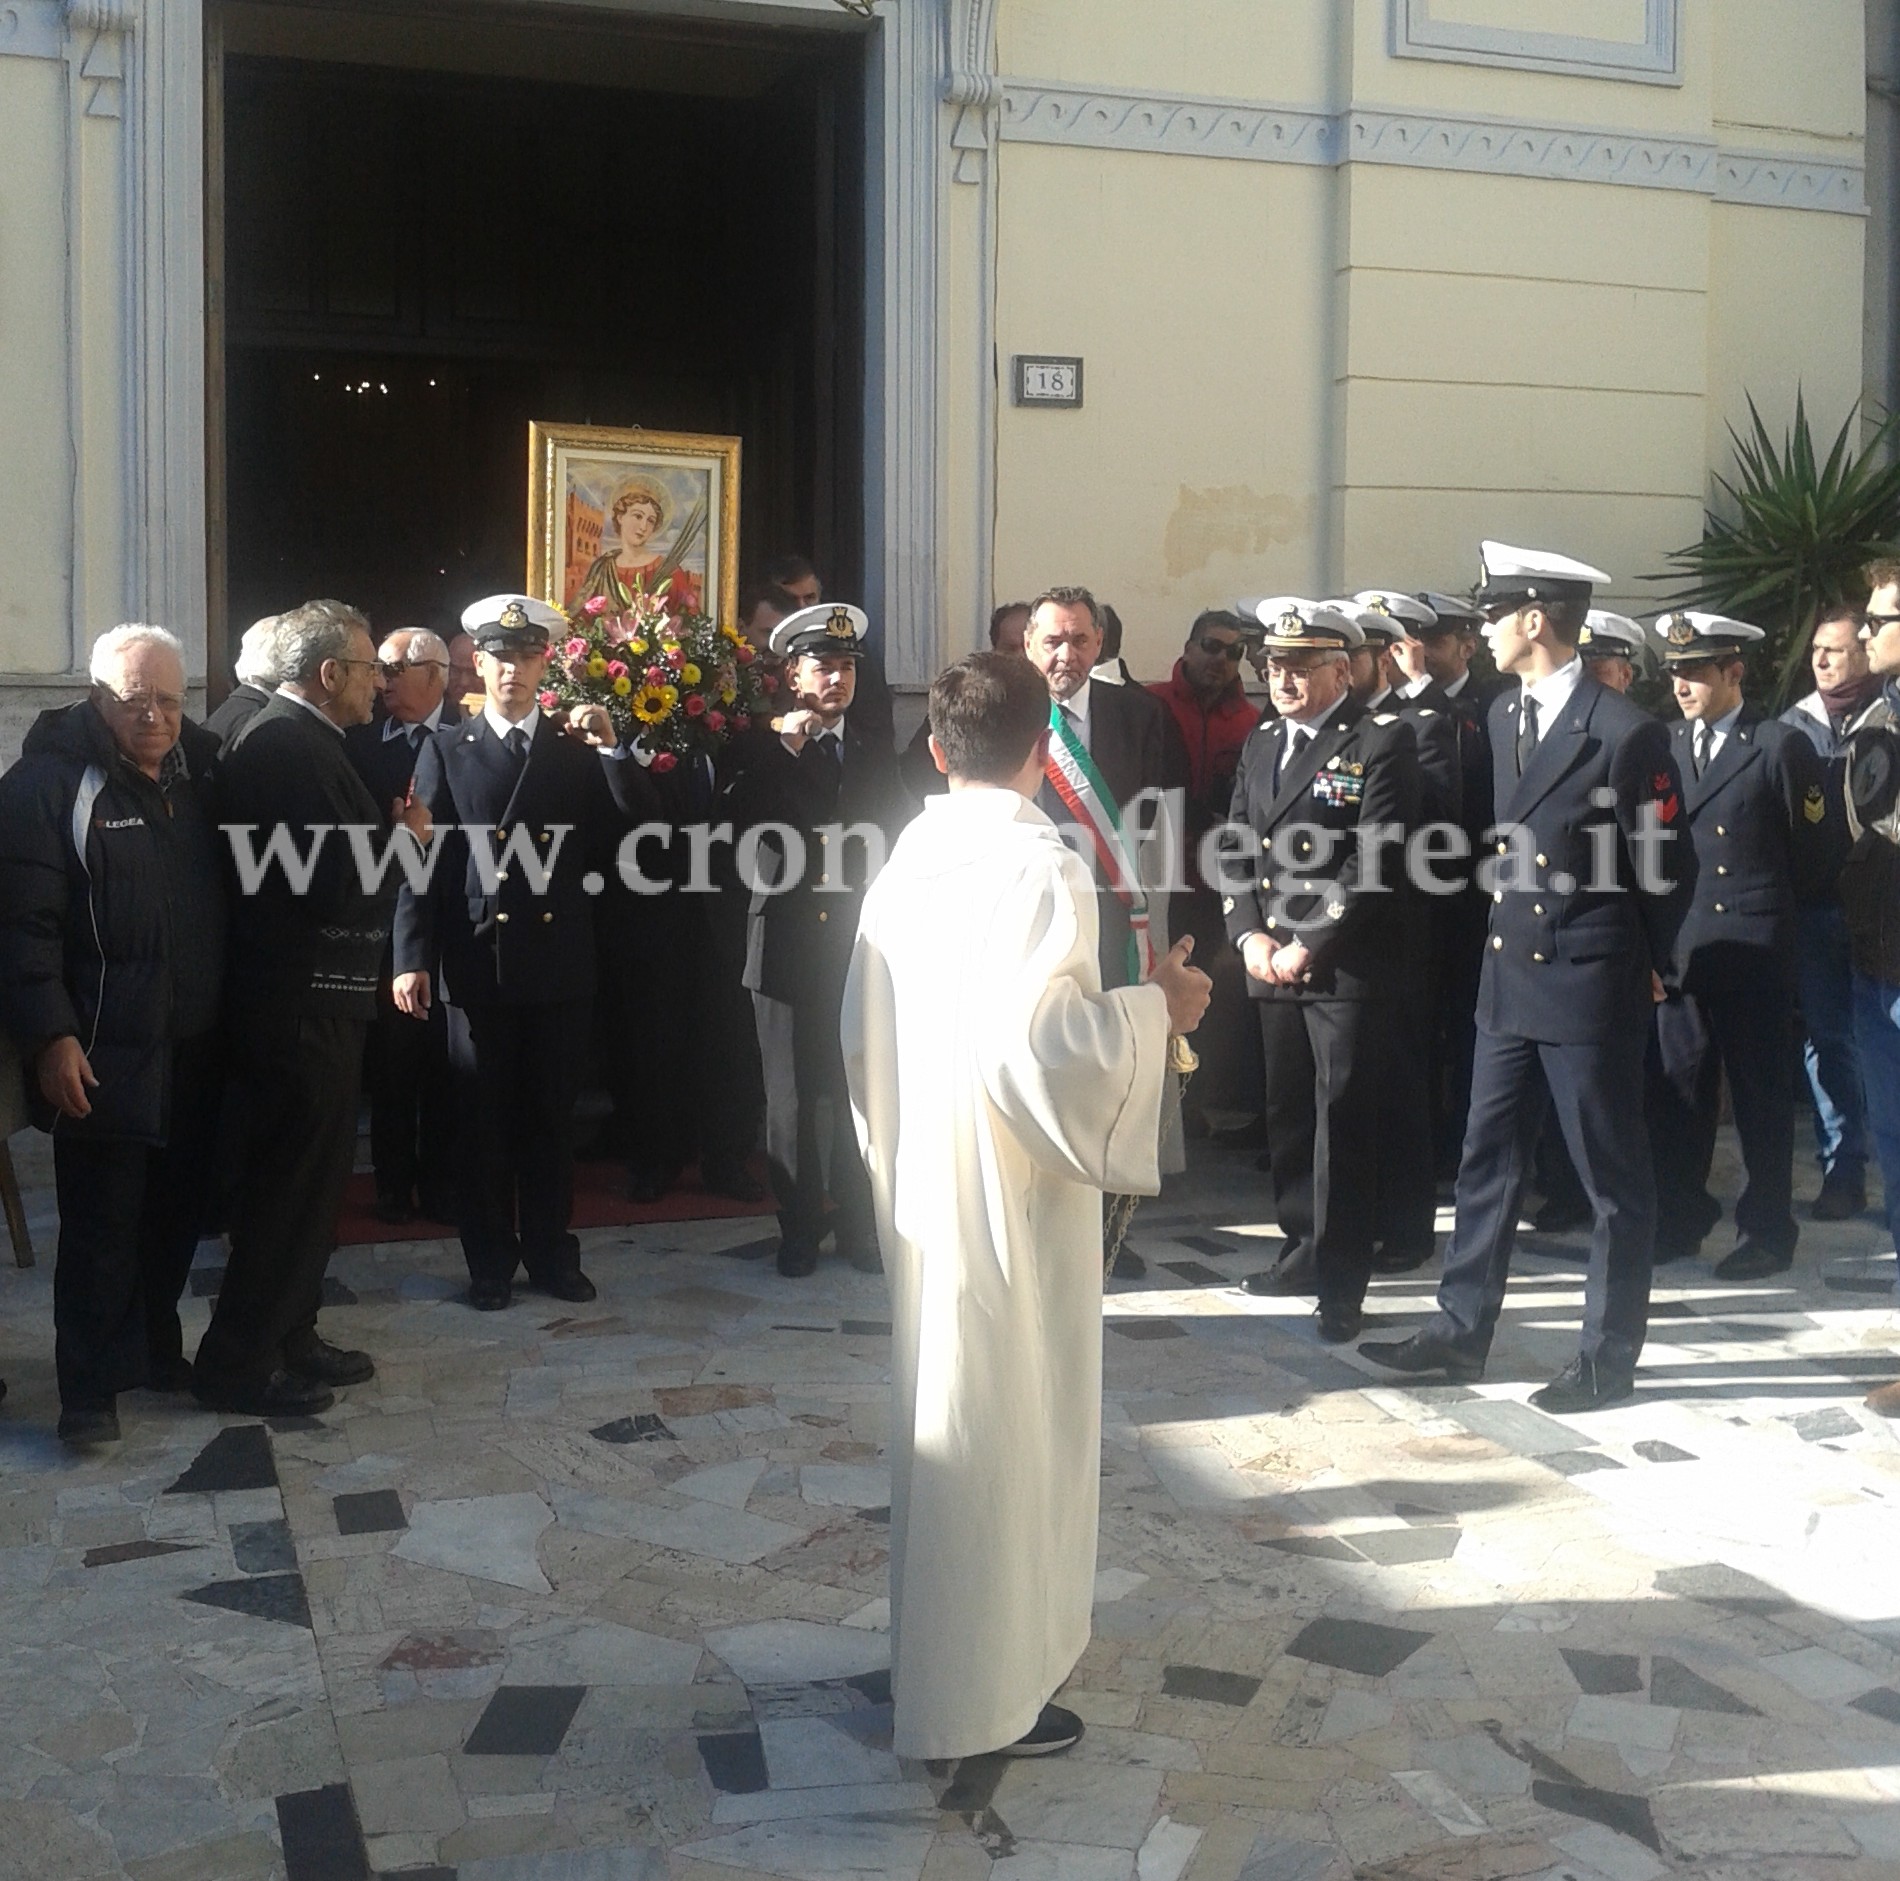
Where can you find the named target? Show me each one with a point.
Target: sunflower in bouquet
(672, 681)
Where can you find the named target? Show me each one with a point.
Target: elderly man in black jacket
(306, 946)
(111, 952)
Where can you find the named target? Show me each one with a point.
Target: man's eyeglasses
(159, 704)
(1875, 622)
(1216, 649)
(394, 669)
(1300, 666)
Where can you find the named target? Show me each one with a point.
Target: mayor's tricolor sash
(1074, 778)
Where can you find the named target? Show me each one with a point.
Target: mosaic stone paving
(598, 1594)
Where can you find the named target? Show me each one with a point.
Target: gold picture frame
(583, 480)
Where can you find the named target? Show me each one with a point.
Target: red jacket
(1213, 736)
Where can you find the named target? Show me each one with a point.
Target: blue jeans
(1825, 970)
(1877, 1032)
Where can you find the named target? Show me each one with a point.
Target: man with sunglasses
(1586, 903)
(1316, 915)
(405, 1065)
(1215, 718)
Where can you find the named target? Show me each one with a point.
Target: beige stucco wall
(1307, 378)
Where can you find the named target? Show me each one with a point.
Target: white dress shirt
(1718, 734)
(315, 711)
(1077, 709)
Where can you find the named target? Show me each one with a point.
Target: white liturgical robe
(997, 1091)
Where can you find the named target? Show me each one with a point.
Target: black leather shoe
(170, 1374)
(1562, 1217)
(1841, 1198)
(648, 1182)
(280, 1395)
(1402, 1260)
(325, 1364)
(862, 1255)
(732, 1180)
(565, 1283)
(1128, 1265)
(797, 1259)
(1752, 1261)
(1584, 1385)
(1338, 1324)
(490, 1296)
(84, 1428)
(1668, 1253)
(1424, 1353)
(1288, 1278)
(1055, 1730)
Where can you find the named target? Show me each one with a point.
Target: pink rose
(549, 700)
(595, 604)
(695, 704)
(742, 721)
(716, 721)
(746, 655)
(664, 762)
(616, 669)
(674, 658)
(576, 648)
(656, 676)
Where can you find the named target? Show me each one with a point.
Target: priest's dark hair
(987, 711)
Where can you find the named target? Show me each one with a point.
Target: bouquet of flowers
(671, 681)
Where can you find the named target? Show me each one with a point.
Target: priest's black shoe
(733, 1180)
(1426, 1352)
(1841, 1199)
(647, 1182)
(862, 1255)
(1752, 1261)
(325, 1364)
(797, 1259)
(282, 1394)
(1338, 1324)
(1289, 1277)
(1128, 1265)
(86, 1425)
(564, 1283)
(1055, 1730)
(490, 1296)
(1584, 1385)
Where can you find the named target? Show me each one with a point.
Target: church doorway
(440, 221)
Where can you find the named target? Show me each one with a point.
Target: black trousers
(411, 1101)
(1461, 922)
(1326, 1061)
(1734, 1015)
(1597, 1089)
(517, 1074)
(806, 1091)
(129, 1219)
(1407, 1159)
(299, 1076)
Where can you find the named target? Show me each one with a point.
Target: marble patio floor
(598, 1593)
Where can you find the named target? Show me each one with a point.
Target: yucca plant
(1799, 533)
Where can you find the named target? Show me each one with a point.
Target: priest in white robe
(997, 1092)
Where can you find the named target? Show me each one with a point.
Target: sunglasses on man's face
(1216, 649)
(394, 669)
(1875, 622)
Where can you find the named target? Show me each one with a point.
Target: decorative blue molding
(32, 29)
(1098, 119)
(1657, 60)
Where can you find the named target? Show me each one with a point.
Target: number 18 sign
(1046, 380)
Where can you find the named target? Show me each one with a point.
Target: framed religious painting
(616, 511)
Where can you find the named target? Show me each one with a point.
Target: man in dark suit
(1755, 813)
(1321, 923)
(1408, 1165)
(304, 959)
(256, 671)
(1131, 742)
(406, 1066)
(504, 934)
(1586, 903)
(816, 772)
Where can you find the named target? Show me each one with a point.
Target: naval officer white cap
(1514, 578)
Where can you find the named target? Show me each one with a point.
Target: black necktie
(831, 745)
(415, 735)
(1295, 734)
(517, 743)
(1704, 746)
(1526, 734)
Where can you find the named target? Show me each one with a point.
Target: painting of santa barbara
(617, 512)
